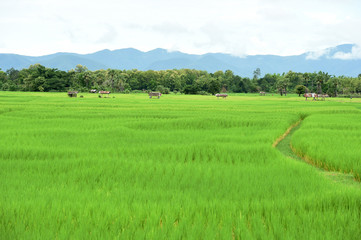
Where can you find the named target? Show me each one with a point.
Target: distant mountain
(340, 60)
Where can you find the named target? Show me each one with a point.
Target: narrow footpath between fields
(283, 144)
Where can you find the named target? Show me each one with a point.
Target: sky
(39, 27)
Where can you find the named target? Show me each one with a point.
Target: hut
(221, 95)
(322, 97)
(72, 94)
(93, 91)
(262, 93)
(155, 94)
(104, 92)
(314, 96)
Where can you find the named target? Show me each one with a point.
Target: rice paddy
(178, 167)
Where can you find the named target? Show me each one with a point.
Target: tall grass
(332, 141)
(179, 167)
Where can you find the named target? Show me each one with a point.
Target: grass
(332, 141)
(179, 167)
(284, 145)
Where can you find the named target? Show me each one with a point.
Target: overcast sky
(238, 27)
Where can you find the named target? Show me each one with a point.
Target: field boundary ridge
(283, 144)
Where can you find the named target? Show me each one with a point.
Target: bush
(300, 89)
(203, 93)
(137, 91)
(162, 89)
(83, 89)
(190, 89)
(348, 96)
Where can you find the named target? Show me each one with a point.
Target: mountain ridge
(339, 60)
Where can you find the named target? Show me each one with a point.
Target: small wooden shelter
(310, 95)
(322, 97)
(221, 95)
(72, 94)
(316, 96)
(104, 92)
(155, 94)
(262, 93)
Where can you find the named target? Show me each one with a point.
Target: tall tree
(282, 85)
(300, 89)
(256, 74)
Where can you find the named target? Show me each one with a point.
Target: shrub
(190, 89)
(203, 93)
(137, 91)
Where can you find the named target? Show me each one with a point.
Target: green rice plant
(183, 167)
(331, 141)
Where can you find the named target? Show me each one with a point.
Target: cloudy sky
(238, 27)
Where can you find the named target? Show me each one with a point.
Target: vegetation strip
(283, 144)
(38, 78)
(278, 140)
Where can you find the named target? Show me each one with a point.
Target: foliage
(190, 81)
(162, 89)
(300, 89)
(256, 74)
(190, 89)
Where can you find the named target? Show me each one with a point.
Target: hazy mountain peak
(344, 52)
(346, 48)
(158, 51)
(340, 60)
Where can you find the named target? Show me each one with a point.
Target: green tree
(3, 76)
(3, 79)
(13, 75)
(333, 86)
(214, 86)
(294, 79)
(256, 74)
(190, 89)
(162, 89)
(80, 68)
(282, 85)
(321, 80)
(300, 89)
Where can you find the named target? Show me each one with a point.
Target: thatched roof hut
(104, 92)
(154, 94)
(72, 94)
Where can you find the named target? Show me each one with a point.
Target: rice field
(332, 141)
(179, 167)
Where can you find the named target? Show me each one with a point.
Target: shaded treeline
(188, 81)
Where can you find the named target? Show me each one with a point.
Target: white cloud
(317, 54)
(109, 35)
(2, 44)
(354, 54)
(325, 18)
(238, 27)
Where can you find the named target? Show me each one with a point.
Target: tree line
(188, 81)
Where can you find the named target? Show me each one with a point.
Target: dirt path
(283, 144)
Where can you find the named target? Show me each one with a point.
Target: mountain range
(340, 60)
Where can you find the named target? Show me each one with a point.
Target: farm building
(72, 94)
(104, 92)
(316, 96)
(221, 95)
(155, 94)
